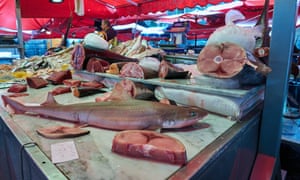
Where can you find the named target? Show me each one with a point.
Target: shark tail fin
(13, 106)
(232, 16)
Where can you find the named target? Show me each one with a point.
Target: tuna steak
(149, 145)
(116, 115)
(223, 60)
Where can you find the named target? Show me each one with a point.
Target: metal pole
(19, 29)
(281, 47)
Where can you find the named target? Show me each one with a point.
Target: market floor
(290, 160)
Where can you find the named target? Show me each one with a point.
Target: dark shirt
(111, 33)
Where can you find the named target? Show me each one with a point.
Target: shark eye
(193, 113)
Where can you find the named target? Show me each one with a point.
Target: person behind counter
(107, 28)
(109, 33)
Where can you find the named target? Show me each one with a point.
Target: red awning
(37, 14)
(132, 19)
(144, 6)
(44, 8)
(256, 3)
(106, 8)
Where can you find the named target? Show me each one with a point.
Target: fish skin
(131, 114)
(263, 22)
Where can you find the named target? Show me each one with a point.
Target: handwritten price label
(62, 152)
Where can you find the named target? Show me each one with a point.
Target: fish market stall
(72, 133)
(229, 138)
(23, 147)
(215, 119)
(227, 134)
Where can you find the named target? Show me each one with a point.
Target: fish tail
(13, 105)
(263, 21)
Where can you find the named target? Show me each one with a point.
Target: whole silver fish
(116, 115)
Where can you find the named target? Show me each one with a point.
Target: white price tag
(61, 152)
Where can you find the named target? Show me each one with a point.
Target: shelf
(10, 46)
(19, 46)
(185, 84)
(175, 59)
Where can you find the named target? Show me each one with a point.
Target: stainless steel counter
(182, 59)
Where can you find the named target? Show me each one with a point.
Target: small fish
(129, 114)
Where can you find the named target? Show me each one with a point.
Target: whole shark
(131, 114)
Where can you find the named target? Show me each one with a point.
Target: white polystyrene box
(95, 41)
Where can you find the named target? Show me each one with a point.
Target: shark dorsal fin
(50, 100)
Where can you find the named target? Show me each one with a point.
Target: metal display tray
(185, 84)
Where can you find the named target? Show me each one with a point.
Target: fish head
(183, 117)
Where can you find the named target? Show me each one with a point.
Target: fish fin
(81, 125)
(232, 16)
(50, 100)
(4, 99)
(156, 128)
(159, 130)
(172, 102)
(168, 101)
(258, 30)
(13, 106)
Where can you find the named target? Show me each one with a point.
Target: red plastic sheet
(8, 18)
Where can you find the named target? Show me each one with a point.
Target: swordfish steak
(129, 114)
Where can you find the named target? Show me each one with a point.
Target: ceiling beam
(132, 2)
(106, 4)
